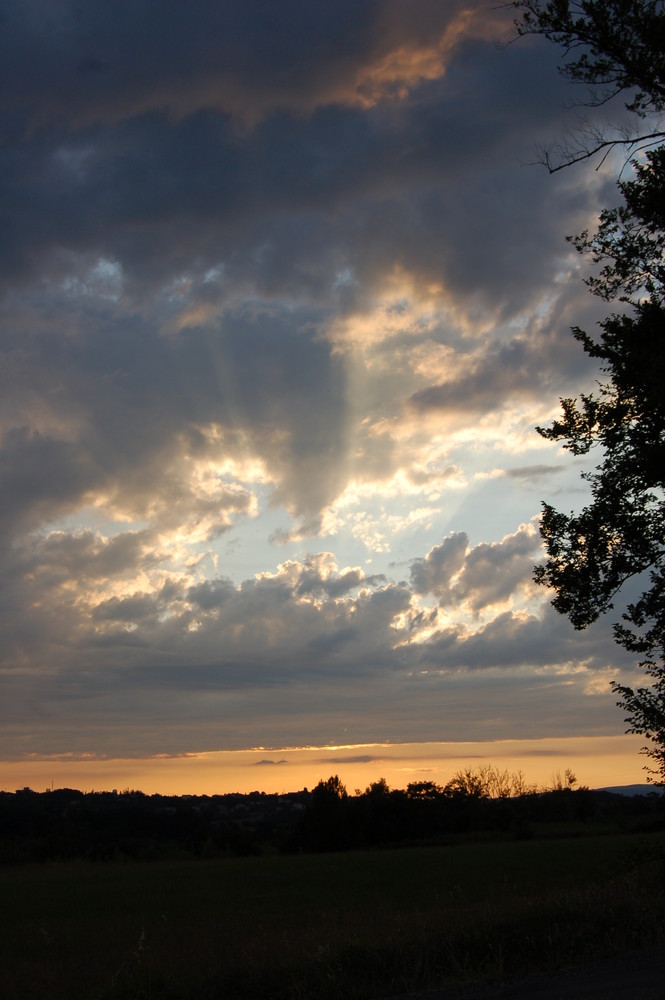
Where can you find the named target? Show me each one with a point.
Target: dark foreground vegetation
(350, 925)
(106, 896)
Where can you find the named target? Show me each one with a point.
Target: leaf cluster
(613, 47)
(630, 241)
(621, 534)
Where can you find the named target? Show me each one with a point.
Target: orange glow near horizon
(597, 761)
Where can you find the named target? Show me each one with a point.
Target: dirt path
(627, 977)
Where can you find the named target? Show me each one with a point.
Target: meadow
(354, 925)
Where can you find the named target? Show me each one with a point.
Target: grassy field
(355, 925)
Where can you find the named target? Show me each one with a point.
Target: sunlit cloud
(281, 308)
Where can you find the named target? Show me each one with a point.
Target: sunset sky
(284, 297)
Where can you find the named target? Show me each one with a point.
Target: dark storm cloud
(167, 80)
(369, 187)
(93, 62)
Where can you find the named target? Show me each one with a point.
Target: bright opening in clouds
(282, 304)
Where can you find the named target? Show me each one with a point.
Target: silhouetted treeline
(425, 812)
(103, 826)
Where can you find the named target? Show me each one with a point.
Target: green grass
(354, 925)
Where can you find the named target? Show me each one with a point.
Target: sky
(283, 297)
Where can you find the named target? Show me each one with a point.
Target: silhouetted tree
(488, 782)
(378, 789)
(423, 790)
(613, 47)
(565, 783)
(329, 790)
(467, 782)
(326, 823)
(618, 46)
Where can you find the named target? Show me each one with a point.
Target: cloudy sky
(283, 298)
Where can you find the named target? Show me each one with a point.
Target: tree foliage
(612, 47)
(487, 782)
(331, 790)
(619, 536)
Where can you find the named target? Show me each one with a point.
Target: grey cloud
(512, 641)
(86, 556)
(495, 570)
(261, 619)
(128, 609)
(543, 362)
(311, 582)
(499, 372)
(211, 594)
(255, 662)
(431, 574)
(356, 759)
(40, 474)
(482, 575)
(526, 472)
(436, 689)
(136, 396)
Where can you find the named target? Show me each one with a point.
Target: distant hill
(643, 789)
